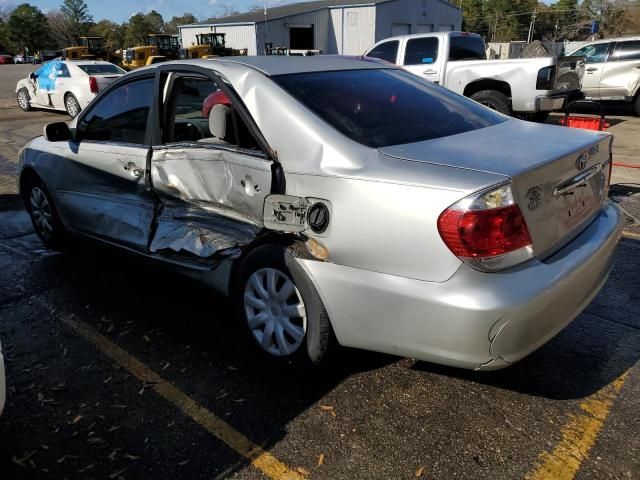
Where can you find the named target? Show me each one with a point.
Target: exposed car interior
(196, 110)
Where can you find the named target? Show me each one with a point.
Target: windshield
(101, 69)
(466, 48)
(385, 107)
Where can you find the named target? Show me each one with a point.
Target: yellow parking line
(260, 459)
(578, 436)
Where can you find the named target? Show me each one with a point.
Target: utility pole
(532, 25)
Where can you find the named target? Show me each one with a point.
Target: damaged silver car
(338, 200)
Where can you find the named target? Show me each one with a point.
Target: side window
(197, 110)
(595, 53)
(387, 51)
(63, 71)
(627, 51)
(120, 116)
(421, 51)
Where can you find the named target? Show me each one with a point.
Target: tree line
(507, 20)
(27, 27)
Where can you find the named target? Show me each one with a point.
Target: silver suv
(613, 70)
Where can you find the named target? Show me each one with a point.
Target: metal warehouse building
(347, 27)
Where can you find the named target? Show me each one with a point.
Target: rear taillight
(487, 230)
(93, 85)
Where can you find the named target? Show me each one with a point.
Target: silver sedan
(338, 201)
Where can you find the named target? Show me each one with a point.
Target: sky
(121, 10)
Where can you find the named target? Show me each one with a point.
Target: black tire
(319, 339)
(54, 237)
(71, 105)
(493, 99)
(637, 105)
(21, 96)
(537, 117)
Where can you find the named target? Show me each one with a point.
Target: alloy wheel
(23, 101)
(41, 212)
(275, 311)
(73, 109)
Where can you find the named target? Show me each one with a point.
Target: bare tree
(59, 27)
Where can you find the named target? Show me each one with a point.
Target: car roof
(431, 34)
(282, 65)
(616, 39)
(87, 62)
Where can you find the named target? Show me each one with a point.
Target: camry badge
(534, 197)
(581, 162)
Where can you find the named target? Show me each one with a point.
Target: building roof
(257, 16)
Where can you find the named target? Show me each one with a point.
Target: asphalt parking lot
(119, 370)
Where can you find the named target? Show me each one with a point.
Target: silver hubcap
(72, 106)
(41, 212)
(23, 101)
(275, 311)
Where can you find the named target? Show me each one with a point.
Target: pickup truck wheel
(637, 105)
(494, 100)
(280, 308)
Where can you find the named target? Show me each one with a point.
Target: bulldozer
(90, 48)
(158, 47)
(210, 45)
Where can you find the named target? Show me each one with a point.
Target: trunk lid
(104, 80)
(558, 175)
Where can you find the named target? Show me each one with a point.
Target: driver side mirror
(57, 132)
(32, 76)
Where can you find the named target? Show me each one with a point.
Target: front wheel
(23, 99)
(71, 105)
(637, 105)
(493, 99)
(43, 213)
(280, 307)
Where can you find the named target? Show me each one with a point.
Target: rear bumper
(558, 101)
(474, 320)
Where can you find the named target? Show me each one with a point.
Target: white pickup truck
(529, 88)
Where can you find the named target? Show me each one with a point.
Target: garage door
(424, 28)
(400, 29)
(445, 28)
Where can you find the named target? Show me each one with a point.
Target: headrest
(218, 121)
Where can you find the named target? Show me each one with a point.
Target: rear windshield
(385, 107)
(100, 69)
(466, 48)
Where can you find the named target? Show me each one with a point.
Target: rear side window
(466, 48)
(421, 51)
(100, 69)
(594, 53)
(383, 107)
(627, 51)
(387, 51)
(121, 115)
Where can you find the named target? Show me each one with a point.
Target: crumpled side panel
(187, 229)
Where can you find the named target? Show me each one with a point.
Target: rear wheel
(494, 100)
(637, 105)
(71, 105)
(23, 99)
(280, 307)
(44, 215)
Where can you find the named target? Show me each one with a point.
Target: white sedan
(65, 85)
